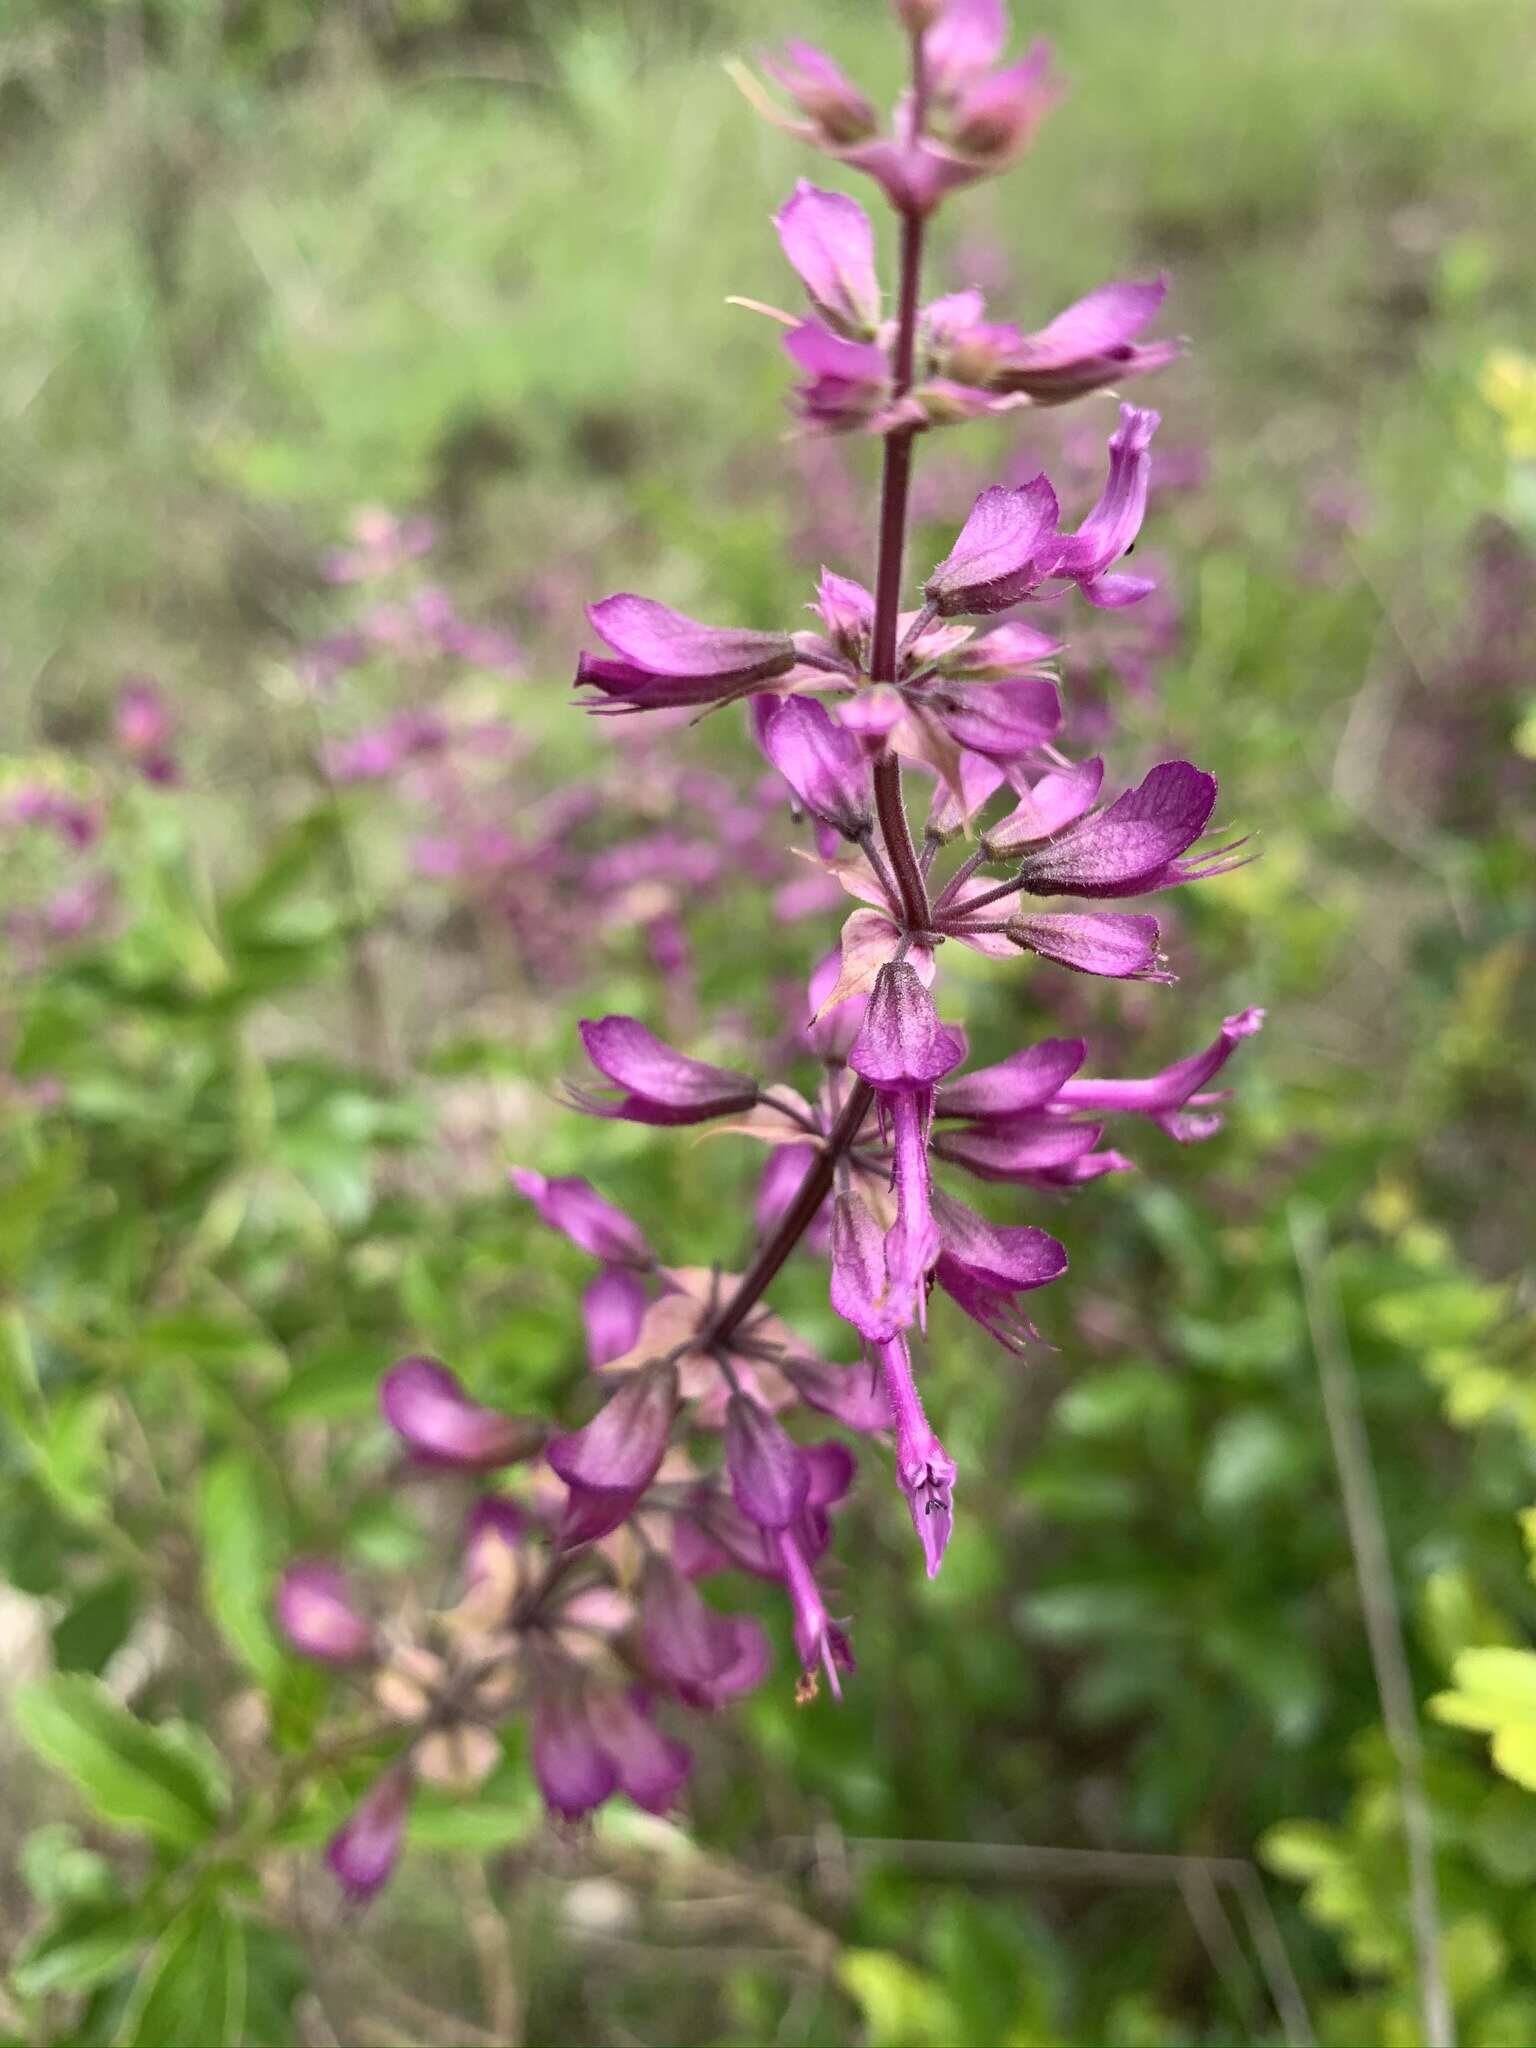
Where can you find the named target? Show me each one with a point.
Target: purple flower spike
(425, 1404)
(317, 1613)
(1024, 1081)
(610, 1463)
(902, 1045)
(612, 1308)
(769, 1474)
(363, 1852)
(575, 1208)
(1134, 846)
(665, 658)
(831, 245)
(657, 1084)
(1164, 1095)
(1115, 521)
(1006, 548)
(1092, 942)
(822, 762)
(924, 1469)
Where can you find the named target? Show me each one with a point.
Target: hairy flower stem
(890, 806)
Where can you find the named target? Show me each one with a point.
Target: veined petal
(902, 1045)
(660, 641)
(1026, 1080)
(1008, 546)
(1116, 520)
(660, 1084)
(829, 242)
(1104, 942)
(426, 1405)
(1173, 1087)
(575, 1208)
(1132, 846)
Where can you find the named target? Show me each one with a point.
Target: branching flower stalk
(579, 1607)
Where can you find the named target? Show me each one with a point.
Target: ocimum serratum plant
(578, 1605)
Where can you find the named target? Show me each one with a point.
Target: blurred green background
(267, 262)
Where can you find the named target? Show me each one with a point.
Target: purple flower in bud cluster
(657, 1085)
(439, 1424)
(363, 1853)
(318, 1615)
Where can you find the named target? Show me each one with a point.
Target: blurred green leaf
(131, 1774)
(191, 1992)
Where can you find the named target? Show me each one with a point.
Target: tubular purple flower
(901, 1044)
(575, 1208)
(704, 1656)
(1005, 550)
(1112, 525)
(820, 1643)
(1005, 721)
(924, 1469)
(831, 246)
(912, 1243)
(769, 1476)
(612, 1308)
(1133, 847)
(575, 1774)
(649, 1766)
(838, 112)
(318, 1614)
(1026, 1080)
(847, 385)
(984, 1266)
(657, 1084)
(1057, 800)
(850, 1394)
(861, 1291)
(665, 658)
(363, 1852)
(608, 1465)
(1163, 1095)
(1016, 1148)
(967, 37)
(822, 762)
(427, 1407)
(995, 117)
(1107, 942)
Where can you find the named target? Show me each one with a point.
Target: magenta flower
(705, 1657)
(769, 1476)
(1166, 1097)
(1026, 1080)
(663, 658)
(1084, 348)
(427, 1407)
(608, 1465)
(1005, 550)
(846, 384)
(983, 1267)
(1107, 942)
(650, 1767)
(821, 1644)
(902, 1048)
(575, 1208)
(656, 1084)
(612, 1308)
(575, 1773)
(1113, 524)
(1133, 847)
(146, 729)
(924, 1469)
(822, 762)
(838, 113)
(831, 246)
(363, 1853)
(319, 1615)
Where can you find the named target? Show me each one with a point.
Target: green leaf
(86, 1945)
(244, 1526)
(88, 1634)
(901, 2007)
(191, 1992)
(131, 1774)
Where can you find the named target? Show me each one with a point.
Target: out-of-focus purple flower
(650, 1767)
(924, 1469)
(657, 1085)
(1084, 348)
(847, 384)
(1025, 1081)
(831, 246)
(575, 1773)
(76, 822)
(318, 1614)
(661, 657)
(363, 1852)
(612, 1308)
(610, 1463)
(822, 762)
(383, 543)
(821, 1644)
(573, 1206)
(704, 1656)
(146, 729)
(425, 1405)
(381, 753)
(1058, 799)
(1005, 550)
(834, 106)
(768, 1472)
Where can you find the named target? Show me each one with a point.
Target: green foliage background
(265, 262)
